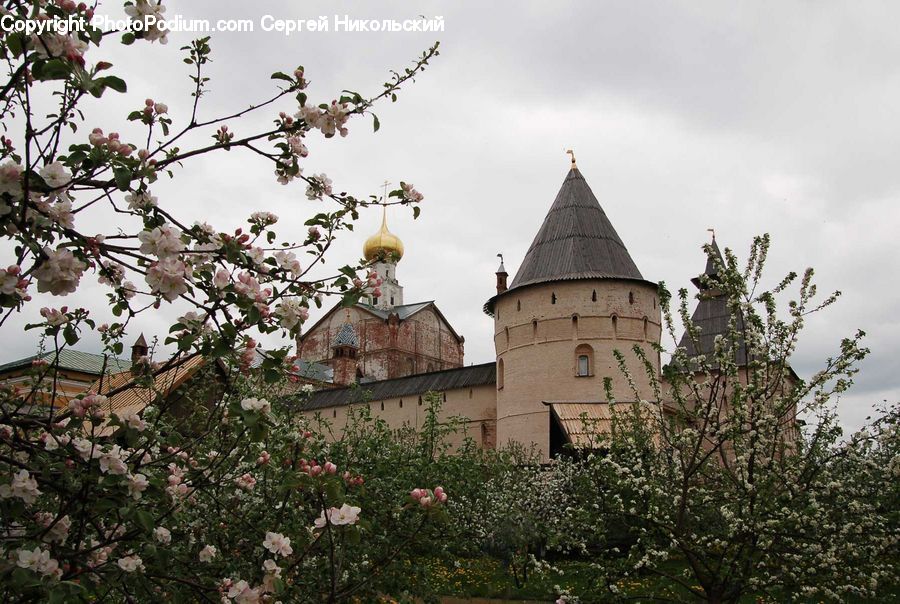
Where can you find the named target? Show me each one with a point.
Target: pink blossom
(60, 273)
(278, 544)
(168, 277)
(22, 486)
(162, 242)
(245, 482)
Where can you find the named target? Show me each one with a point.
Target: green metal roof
(74, 360)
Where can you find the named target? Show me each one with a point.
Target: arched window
(646, 322)
(553, 298)
(334, 413)
(575, 326)
(534, 328)
(401, 403)
(382, 405)
(584, 360)
(445, 397)
(594, 296)
(506, 336)
(615, 325)
(500, 374)
(631, 297)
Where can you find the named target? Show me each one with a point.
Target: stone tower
(576, 298)
(384, 250)
(344, 354)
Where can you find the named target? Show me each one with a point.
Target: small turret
(501, 276)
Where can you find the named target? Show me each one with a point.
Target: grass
(486, 577)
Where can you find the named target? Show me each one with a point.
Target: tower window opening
(401, 403)
(334, 413)
(445, 397)
(574, 326)
(553, 298)
(500, 374)
(392, 300)
(654, 302)
(631, 297)
(382, 405)
(594, 296)
(470, 393)
(584, 360)
(374, 300)
(646, 322)
(615, 325)
(583, 364)
(518, 305)
(534, 326)
(420, 401)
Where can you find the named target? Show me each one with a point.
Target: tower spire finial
(572, 153)
(713, 231)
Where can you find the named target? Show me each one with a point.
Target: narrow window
(615, 325)
(594, 296)
(470, 393)
(553, 298)
(392, 300)
(654, 302)
(645, 327)
(534, 328)
(374, 301)
(382, 405)
(575, 326)
(583, 365)
(420, 401)
(584, 360)
(401, 403)
(500, 374)
(631, 297)
(518, 305)
(445, 397)
(334, 413)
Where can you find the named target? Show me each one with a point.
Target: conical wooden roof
(576, 241)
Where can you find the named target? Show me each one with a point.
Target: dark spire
(712, 314)
(576, 241)
(710, 270)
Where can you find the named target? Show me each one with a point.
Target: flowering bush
(220, 496)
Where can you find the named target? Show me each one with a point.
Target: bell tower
(384, 250)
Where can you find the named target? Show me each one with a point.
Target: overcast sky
(744, 117)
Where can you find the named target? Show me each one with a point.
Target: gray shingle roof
(313, 371)
(576, 241)
(403, 312)
(74, 360)
(437, 381)
(711, 315)
(346, 337)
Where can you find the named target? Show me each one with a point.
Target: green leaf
(122, 176)
(375, 123)
(144, 520)
(128, 39)
(116, 83)
(282, 76)
(14, 43)
(54, 69)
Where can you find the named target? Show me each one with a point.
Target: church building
(577, 297)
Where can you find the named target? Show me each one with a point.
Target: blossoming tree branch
(228, 499)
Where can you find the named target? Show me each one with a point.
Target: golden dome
(383, 243)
